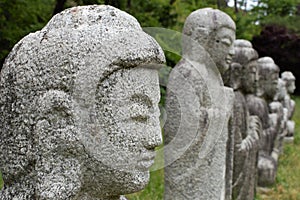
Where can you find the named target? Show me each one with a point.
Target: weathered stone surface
(277, 107)
(198, 108)
(268, 74)
(79, 108)
(245, 128)
(289, 79)
(278, 120)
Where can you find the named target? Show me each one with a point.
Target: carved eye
(140, 109)
(226, 41)
(217, 41)
(140, 118)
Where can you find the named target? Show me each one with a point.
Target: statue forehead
(93, 41)
(244, 52)
(267, 64)
(210, 19)
(82, 17)
(288, 76)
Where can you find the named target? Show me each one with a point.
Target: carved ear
(55, 107)
(56, 143)
(54, 127)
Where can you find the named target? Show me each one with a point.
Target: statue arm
(254, 133)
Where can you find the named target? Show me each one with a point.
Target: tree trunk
(59, 6)
(128, 4)
(219, 4)
(172, 1)
(235, 6)
(114, 3)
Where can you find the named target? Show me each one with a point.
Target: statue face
(250, 77)
(221, 48)
(131, 121)
(270, 84)
(281, 90)
(124, 130)
(291, 86)
(236, 76)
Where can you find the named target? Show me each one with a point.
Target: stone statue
(289, 80)
(79, 108)
(198, 107)
(268, 74)
(245, 128)
(277, 108)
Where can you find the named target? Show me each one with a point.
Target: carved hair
(201, 26)
(287, 76)
(267, 65)
(244, 52)
(46, 70)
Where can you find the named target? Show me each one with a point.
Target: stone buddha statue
(268, 74)
(289, 79)
(79, 108)
(198, 107)
(246, 129)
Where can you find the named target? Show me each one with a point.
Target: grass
(154, 190)
(287, 186)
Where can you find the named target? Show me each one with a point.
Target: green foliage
(277, 8)
(19, 17)
(291, 22)
(279, 12)
(296, 118)
(150, 13)
(246, 26)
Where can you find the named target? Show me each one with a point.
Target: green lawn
(154, 190)
(287, 186)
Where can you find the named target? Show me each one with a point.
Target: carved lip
(146, 161)
(228, 60)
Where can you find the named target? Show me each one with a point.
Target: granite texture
(289, 81)
(79, 108)
(268, 75)
(199, 107)
(246, 128)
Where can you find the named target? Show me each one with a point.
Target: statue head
(79, 103)
(268, 74)
(246, 57)
(212, 30)
(233, 76)
(281, 90)
(289, 79)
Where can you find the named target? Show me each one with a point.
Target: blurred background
(273, 26)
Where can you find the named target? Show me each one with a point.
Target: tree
(18, 18)
(59, 6)
(283, 46)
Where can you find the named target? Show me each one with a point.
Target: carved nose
(153, 136)
(231, 51)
